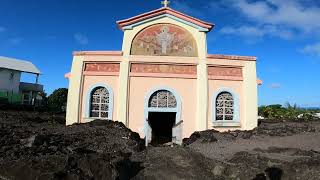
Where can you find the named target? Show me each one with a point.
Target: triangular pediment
(161, 13)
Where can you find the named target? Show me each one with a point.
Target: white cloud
(292, 14)
(243, 31)
(275, 18)
(275, 85)
(292, 19)
(258, 31)
(313, 49)
(268, 17)
(81, 38)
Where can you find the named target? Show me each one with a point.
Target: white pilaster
(250, 94)
(202, 96)
(122, 112)
(73, 104)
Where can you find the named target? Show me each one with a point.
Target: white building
(11, 89)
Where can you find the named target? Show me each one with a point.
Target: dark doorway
(161, 124)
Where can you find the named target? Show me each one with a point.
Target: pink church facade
(163, 84)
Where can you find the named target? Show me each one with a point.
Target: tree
(292, 107)
(289, 112)
(57, 101)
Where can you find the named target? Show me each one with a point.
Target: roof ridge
(18, 65)
(15, 59)
(160, 11)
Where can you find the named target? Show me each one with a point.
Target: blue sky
(283, 34)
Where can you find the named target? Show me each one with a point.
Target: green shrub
(308, 117)
(58, 99)
(290, 112)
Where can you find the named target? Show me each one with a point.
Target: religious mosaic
(164, 40)
(224, 107)
(162, 99)
(224, 71)
(164, 68)
(102, 67)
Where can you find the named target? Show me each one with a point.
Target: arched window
(100, 103)
(224, 107)
(162, 99)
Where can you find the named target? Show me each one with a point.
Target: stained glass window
(224, 107)
(100, 101)
(162, 99)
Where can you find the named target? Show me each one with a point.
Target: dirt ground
(306, 137)
(38, 146)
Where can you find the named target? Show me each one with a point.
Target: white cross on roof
(165, 3)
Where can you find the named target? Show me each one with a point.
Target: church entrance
(161, 124)
(162, 113)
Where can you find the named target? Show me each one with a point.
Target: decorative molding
(231, 57)
(161, 11)
(227, 78)
(226, 124)
(67, 75)
(131, 26)
(96, 73)
(164, 68)
(224, 71)
(162, 75)
(103, 53)
(102, 67)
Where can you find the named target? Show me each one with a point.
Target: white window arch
(225, 111)
(162, 99)
(99, 102)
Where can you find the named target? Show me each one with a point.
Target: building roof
(18, 65)
(161, 11)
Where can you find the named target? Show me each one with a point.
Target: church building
(163, 84)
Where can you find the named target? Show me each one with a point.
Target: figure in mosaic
(165, 39)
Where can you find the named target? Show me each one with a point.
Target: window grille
(100, 101)
(162, 99)
(224, 107)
